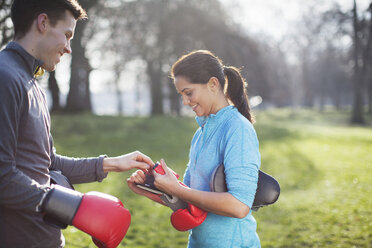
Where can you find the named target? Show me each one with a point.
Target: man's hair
(24, 12)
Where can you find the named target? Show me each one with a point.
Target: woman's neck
(220, 105)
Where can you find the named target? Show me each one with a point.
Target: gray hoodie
(27, 154)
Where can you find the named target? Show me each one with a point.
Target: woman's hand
(168, 182)
(139, 177)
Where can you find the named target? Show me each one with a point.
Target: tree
(78, 98)
(6, 26)
(326, 57)
(368, 57)
(158, 32)
(362, 49)
(280, 92)
(54, 90)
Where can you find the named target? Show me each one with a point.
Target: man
(43, 31)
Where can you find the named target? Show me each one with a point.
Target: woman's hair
(199, 66)
(24, 12)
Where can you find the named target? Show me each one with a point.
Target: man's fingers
(141, 165)
(140, 157)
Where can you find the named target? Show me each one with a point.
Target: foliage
(6, 26)
(323, 167)
(157, 32)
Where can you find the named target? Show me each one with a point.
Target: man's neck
(28, 43)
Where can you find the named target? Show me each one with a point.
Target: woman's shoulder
(235, 120)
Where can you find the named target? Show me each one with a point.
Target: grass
(323, 165)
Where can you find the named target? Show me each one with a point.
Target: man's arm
(78, 170)
(17, 190)
(83, 170)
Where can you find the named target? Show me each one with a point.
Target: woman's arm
(219, 203)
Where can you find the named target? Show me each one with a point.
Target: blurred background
(309, 69)
(313, 54)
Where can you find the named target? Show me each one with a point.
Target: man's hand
(127, 162)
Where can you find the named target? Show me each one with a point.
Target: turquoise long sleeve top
(225, 137)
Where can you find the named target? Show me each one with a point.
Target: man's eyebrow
(184, 89)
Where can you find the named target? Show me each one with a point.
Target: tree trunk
(357, 112)
(155, 74)
(370, 95)
(119, 102)
(369, 62)
(336, 97)
(175, 103)
(54, 90)
(79, 95)
(308, 100)
(78, 98)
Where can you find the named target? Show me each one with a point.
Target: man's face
(56, 41)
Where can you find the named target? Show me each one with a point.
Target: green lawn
(323, 165)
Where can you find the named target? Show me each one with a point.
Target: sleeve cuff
(100, 173)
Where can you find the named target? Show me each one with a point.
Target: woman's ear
(214, 84)
(42, 22)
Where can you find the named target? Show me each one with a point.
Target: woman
(226, 136)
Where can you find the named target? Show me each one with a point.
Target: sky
(275, 18)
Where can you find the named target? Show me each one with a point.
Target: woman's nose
(185, 100)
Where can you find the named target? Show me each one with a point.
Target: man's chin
(49, 68)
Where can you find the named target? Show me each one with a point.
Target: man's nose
(67, 48)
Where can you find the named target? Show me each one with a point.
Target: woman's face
(201, 98)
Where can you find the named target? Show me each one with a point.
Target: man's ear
(42, 22)
(214, 84)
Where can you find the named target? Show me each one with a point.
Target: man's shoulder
(11, 73)
(10, 86)
(8, 65)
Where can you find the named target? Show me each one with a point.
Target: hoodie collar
(33, 64)
(212, 119)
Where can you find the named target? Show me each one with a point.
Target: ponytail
(237, 91)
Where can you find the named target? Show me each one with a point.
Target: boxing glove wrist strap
(61, 203)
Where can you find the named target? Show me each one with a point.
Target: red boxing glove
(104, 218)
(100, 215)
(188, 218)
(186, 215)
